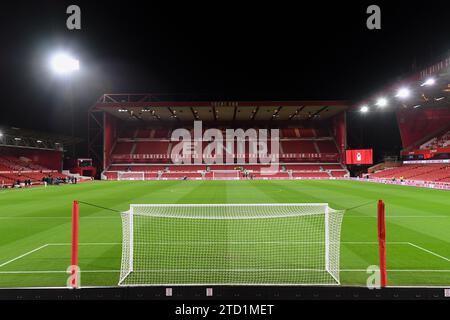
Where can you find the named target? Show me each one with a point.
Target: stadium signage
(331, 157)
(359, 156)
(427, 161)
(225, 104)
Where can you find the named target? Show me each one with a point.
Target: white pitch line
(346, 216)
(117, 271)
(226, 242)
(429, 251)
(393, 217)
(23, 255)
(67, 218)
(57, 271)
(86, 244)
(399, 270)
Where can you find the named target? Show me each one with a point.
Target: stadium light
(382, 102)
(1, 134)
(429, 82)
(364, 109)
(62, 63)
(403, 93)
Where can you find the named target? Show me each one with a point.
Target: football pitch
(35, 226)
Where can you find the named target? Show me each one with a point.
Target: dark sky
(260, 50)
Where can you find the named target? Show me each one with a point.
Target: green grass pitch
(35, 226)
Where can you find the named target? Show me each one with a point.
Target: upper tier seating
(127, 133)
(143, 133)
(441, 141)
(123, 148)
(301, 167)
(151, 147)
(307, 133)
(15, 163)
(289, 133)
(299, 146)
(327, 146)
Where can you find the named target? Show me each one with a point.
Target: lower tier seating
(284, 171)
(431, 173)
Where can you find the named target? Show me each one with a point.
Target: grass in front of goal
(35, 226)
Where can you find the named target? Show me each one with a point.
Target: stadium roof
(430, 88)
(26, 138)
(155, 108)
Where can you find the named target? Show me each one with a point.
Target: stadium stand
(426, 172)
(27, 155)
(13, 169)
(148, 150)
(441, 141)
(137, 138)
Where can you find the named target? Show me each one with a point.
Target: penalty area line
(24, 255)
(428, 251)
(222, 242)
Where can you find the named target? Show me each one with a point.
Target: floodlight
(62, 63)
(403, 93)
(364, 109)
(429, 82)
(382, 102)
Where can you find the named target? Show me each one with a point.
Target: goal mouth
(225, 174)
(230, 244)
(130, 175)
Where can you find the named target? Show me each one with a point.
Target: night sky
(220, 50)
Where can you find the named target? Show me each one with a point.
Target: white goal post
(225, 174)
(230, 244)
(130, 175)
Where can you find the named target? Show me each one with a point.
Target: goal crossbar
(130, 175)
(225, 174)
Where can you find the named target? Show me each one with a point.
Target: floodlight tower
(64, 65)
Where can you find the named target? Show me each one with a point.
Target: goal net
(230, 244)
(225, 174)
(130, 175)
